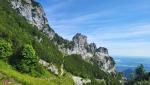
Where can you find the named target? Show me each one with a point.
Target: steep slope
(16, 30)
(91, 53)
(8, 76)
(19, 30)
(34, 13)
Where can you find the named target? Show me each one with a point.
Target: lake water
(124, 63)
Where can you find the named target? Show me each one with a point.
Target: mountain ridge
(31, 53)
(35, 15)
(26, 37)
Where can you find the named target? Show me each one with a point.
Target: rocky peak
(36, 16)
(92, 48)
(93, 45)
(34, 13)
(102, 50)
(80, 40)
(88, 52)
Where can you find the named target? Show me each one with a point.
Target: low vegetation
(140, 77)
(25, 79)
(28, 62)
(5, 49)
(77, 66)
(22, 45)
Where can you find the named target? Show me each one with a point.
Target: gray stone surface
(99, 56)
(34, 13)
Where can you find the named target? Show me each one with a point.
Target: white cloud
(105, 27)
(125, 32)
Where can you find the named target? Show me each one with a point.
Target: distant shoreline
(124, 63)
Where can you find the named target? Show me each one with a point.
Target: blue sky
(123, 26)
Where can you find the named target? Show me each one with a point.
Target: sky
(122, 26)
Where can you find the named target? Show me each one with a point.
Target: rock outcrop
(34, 13)
(102, 59)
(80, 46)
(80, 81)
(49, 66)
(91, 53)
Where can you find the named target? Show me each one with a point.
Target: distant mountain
(128, 73)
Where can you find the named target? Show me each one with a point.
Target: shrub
(28, 61)
(5, 49)
(140, 72)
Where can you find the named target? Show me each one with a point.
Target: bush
(5, 49)
(141, 77)
(28, 61)
(140, 72)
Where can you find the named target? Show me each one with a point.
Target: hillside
(9, 76)
(29, 40)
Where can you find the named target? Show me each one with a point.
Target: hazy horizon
(131, 63)
(120, 25)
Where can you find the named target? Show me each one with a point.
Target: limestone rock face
(34, 13)
(80, 40)
(99, 56)
(49, 66)
(80, 81)
(36, 16)
(80, 46)
(91, 48)
(102, 59)
(102, 50)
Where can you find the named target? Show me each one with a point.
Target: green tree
(28, 61)
(5, 49)
(140, 72)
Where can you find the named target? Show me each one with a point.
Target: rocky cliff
(91, 53)
(36, 16)
(34, 13)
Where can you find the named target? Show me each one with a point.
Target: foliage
(78, 67)
(5, 49)
(142, 83)
(27, 61)
(24, 79)
(60, 41)
(20, 32)
(140, 72)
(140, 77)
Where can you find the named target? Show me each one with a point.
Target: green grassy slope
(15, 29)
(48, 79)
